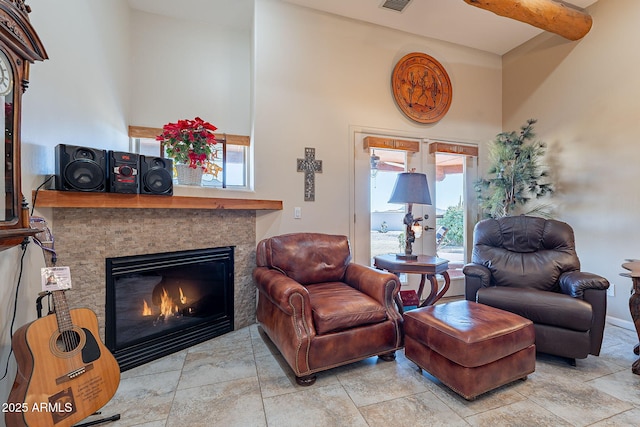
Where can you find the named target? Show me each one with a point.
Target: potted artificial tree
(515, 175)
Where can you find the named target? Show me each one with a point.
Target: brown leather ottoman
(472, 348)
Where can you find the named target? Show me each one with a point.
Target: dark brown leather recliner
(529, 266)
(321, 310)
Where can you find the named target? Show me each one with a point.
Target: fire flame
(146, 311)
(168, 307)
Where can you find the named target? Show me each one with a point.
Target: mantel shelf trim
(70, 199)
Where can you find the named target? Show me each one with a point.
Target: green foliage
(515, 176)
(453, 219)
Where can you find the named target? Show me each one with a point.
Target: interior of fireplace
(161, 303)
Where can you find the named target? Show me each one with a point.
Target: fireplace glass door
(161, 303)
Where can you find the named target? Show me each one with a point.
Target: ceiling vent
(397, 5)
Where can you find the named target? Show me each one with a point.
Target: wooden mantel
(72, 199)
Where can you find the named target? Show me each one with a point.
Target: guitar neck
(62, 311)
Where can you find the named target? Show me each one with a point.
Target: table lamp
(410, 188)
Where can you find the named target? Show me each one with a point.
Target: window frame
(136, 133)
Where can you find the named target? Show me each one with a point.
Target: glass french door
(387, 228)
(451, 171)
(377, 225)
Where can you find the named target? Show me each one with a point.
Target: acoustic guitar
(65, 373)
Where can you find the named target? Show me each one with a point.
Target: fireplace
(157, 304)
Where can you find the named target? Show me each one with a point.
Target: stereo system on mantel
(95, 170)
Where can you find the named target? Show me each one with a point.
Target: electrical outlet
(612, 290)
(297, 213)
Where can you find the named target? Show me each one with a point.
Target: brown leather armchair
(529, 266)
(321, 310)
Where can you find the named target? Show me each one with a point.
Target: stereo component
(156, 175)
(80, 168)
(123, 176)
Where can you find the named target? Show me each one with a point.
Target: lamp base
(408, 257)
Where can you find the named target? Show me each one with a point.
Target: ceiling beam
(549, 15)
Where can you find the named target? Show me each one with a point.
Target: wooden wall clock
(421, 88)
(19, 47)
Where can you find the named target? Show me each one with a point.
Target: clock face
(6, 75)
(421, 88)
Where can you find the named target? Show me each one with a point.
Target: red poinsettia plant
(189, 141)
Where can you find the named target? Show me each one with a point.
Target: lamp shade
(411, 187)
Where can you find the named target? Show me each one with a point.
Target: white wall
(79, 96)
(181, 69)
(318, 78)
(585, 97)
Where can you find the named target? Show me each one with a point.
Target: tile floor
(240, 379)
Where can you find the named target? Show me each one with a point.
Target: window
(387, 228)
(456, 169)
(229, 167)
(450, 205)
(387, 158)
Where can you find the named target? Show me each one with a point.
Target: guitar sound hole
(68, 341)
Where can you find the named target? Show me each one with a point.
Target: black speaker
(123, 172)
(156, 176)
(80, 168)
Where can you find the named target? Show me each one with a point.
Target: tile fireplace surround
(85, 237)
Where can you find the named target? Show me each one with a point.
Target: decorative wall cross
(310, 166)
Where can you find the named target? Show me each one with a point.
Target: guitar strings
(70, 338)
